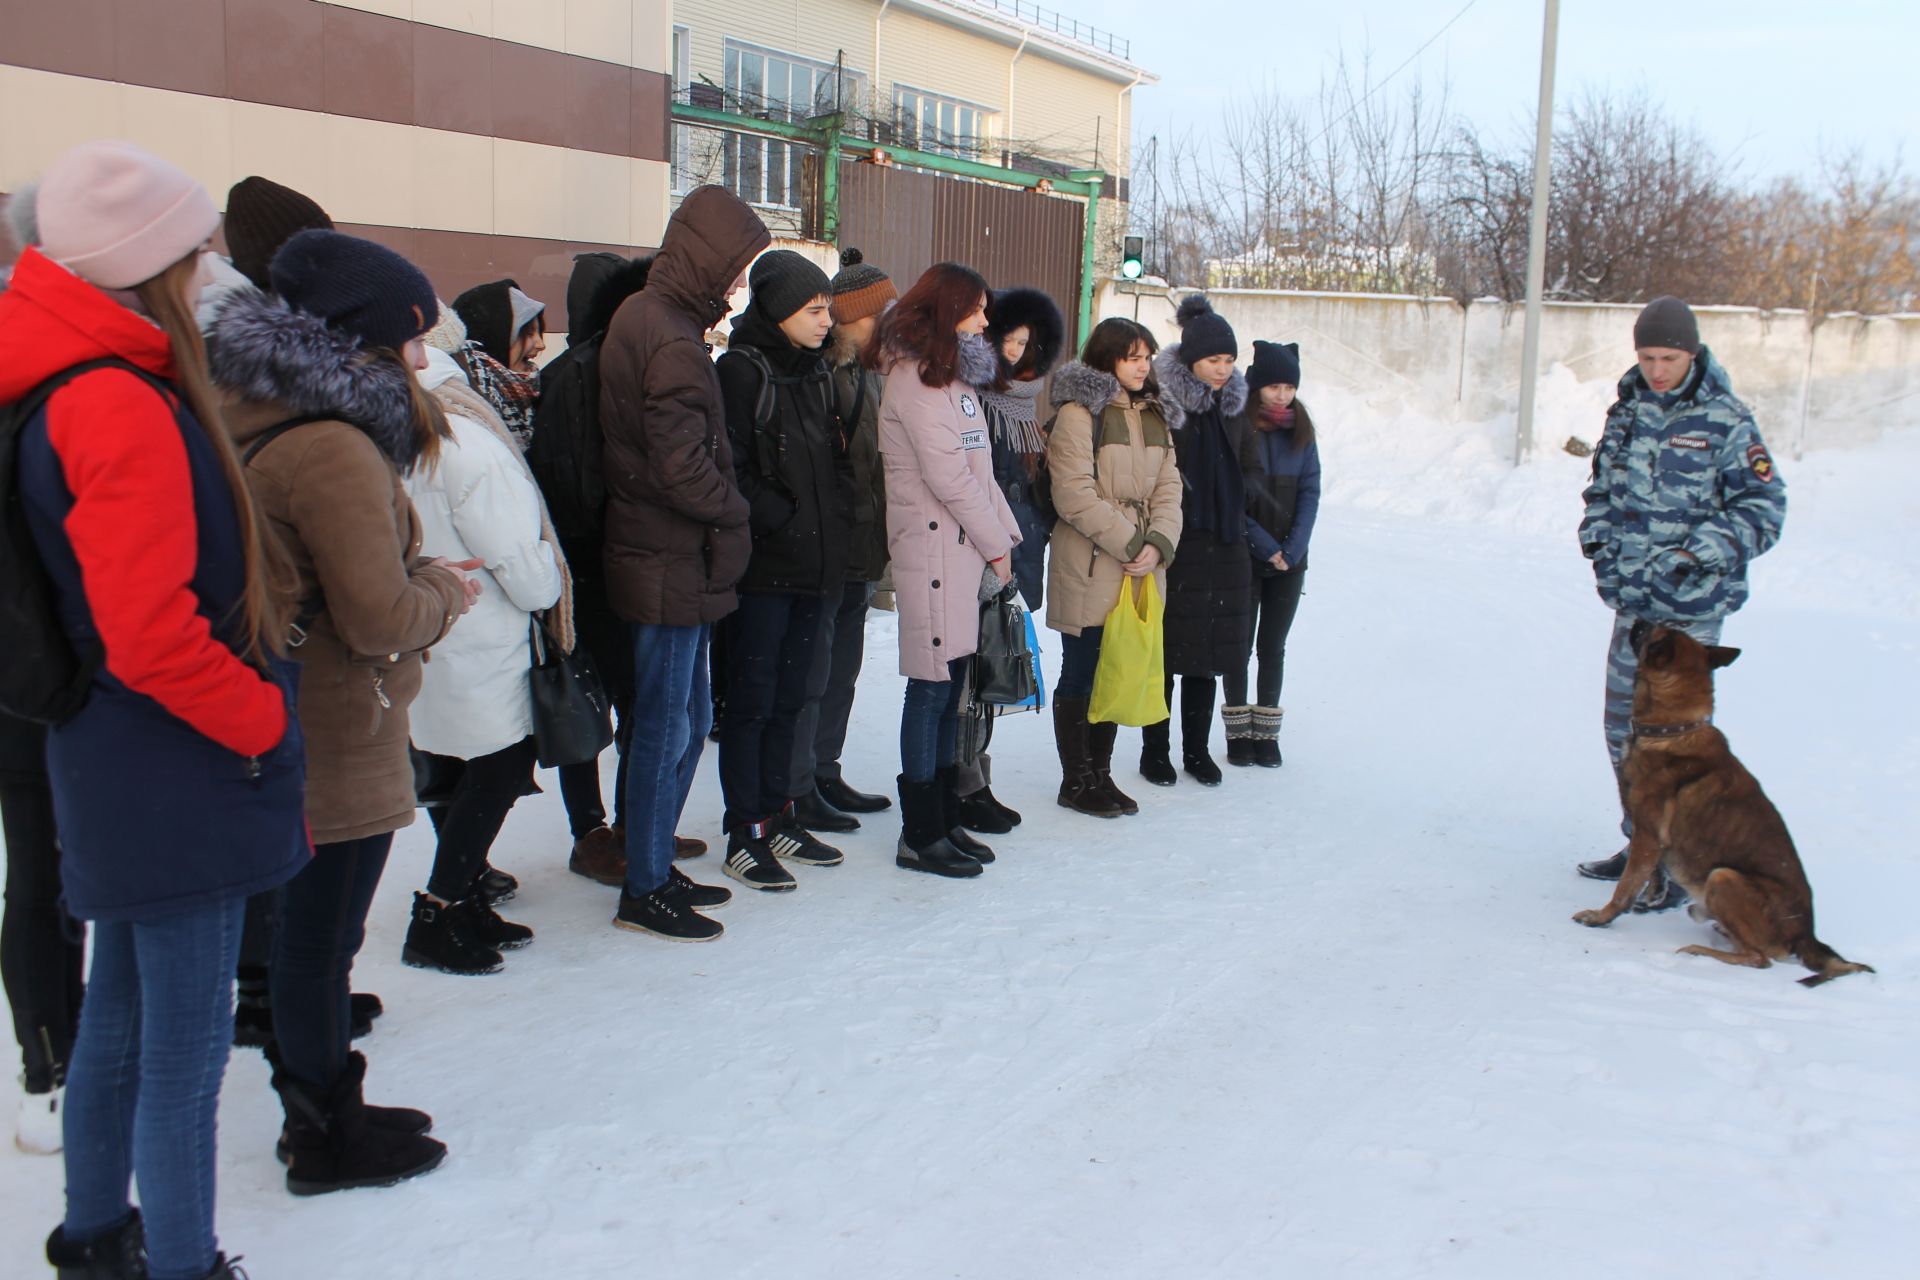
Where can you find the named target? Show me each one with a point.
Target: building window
(944, 126)
(682, 142)
(776, 86)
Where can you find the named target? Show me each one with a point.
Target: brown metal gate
(904, 221)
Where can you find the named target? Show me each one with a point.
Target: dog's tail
(1826, 963)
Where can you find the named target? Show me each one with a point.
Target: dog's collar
(1644, 730)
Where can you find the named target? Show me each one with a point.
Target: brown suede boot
(600, 856)
(1080, 788)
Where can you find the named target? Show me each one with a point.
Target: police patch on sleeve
(1760, 464)
(968, 407)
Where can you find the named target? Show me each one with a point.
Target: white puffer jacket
(480, 502)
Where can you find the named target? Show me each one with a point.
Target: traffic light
(1132, 251)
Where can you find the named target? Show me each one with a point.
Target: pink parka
(945, 516)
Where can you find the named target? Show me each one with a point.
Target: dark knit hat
(357, 286)
(1203, 331)
(496, 313)
(860, 289)
(1667, 322)
(783, 281)
(1274, 362)
(262, 216)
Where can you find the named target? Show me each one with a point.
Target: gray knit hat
(783, 281)
(1667, 322)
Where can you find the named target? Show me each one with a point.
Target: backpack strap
(316, 604)
(23, 409)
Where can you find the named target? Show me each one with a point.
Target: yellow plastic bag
(1130, 684)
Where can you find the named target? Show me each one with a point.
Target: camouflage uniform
(1683, 494)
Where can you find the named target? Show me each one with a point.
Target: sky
(1775, 84)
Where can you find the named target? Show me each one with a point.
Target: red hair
(926, 322)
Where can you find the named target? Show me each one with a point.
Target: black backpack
(566, 453)
(769, 445)
(44, 679)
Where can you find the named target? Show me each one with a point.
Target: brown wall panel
(270, 53)
(180, 44)
(369, 65)
(75, 36)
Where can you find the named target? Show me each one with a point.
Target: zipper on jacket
(379, 691)
(253, 768)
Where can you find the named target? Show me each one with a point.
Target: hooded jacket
(1116, 485)
(179, 782)
(332, 491)
(793, 470)
(1684, 493)
(1210, 587)
(676, 531)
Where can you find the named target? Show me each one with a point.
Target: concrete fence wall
(1855, 376)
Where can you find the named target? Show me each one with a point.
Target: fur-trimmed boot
(333, 1143)
(118, 1253)
(1240, 734)
(1266, 737)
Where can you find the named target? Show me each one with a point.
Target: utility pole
(1537, 235)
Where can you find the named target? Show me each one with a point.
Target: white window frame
(942, 142)
(766, 171)
(682, 50)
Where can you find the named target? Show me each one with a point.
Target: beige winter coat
(1109, 513)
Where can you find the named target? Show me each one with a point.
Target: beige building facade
(483, 138)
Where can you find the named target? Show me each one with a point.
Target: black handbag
(1002, 662)
(572, 719)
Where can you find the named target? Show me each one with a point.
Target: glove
(1675, 563)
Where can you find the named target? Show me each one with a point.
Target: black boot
(440, 938)
(814, 812)
(1605, 868)
(1156, 754)
(982, 810)
(118, 1253)
(1662, 893)
(333, 1145)
(837, 793)
(495, 885)
(252, 1007)
(1266, 736)
(486, 926)
(923, 839)
(1100, 736)
(1196, 727)
(1080, 788)
(950, 802)
(365, 1007)
(399, 1119)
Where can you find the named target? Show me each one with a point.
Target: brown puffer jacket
(677, 538)
(332, 493)
(1110, 511)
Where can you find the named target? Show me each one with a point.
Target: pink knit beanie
(115, 215)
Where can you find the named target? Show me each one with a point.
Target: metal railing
(1060, 24)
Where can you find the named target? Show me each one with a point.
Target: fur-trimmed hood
(979, 362)
(1046, 328)
(259, 348)
(1082, 384)
(608, 292)
(1181, 388)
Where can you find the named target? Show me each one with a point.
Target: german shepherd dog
(1696, 808)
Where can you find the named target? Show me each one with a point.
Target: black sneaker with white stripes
(794, 843)
(701, 897)
(751, 861)
(665, 913)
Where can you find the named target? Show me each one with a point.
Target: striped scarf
(512, 395)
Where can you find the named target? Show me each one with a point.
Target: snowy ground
(1327, 1022)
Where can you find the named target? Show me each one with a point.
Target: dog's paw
(1592, 919)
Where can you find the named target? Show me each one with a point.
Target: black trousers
(42, 953)
(580, 784)
(484, 790)
(1276, 598)
(822, 732)
(323, 921)
(770, 643)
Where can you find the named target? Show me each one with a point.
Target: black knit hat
(1203, 331)
(860, 289)
(783, 281)
(263, 215)
(357, 286)
(1667, 322)
(1274, 362)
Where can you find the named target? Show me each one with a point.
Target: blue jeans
(1079, 659)
(323, 921)
(930, 723)
(672, 714)
(144, 1084)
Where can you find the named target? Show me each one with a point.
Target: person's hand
(1002, 569)
(1143, 564)
(469, 587)
(1676, 563)
(1278, 560)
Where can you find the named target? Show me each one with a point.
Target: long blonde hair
(266, 601)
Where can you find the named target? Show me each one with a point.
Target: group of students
(304, 527)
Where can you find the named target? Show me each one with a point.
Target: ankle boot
(1156, 754)
(439, 938)
(118, 1253)
(1196, 727)
(404, 1120)
(983, 811)
(1240, 734)
(1080, 788)
(950, 804)
(333, 1145)
(1266, 736)
(923, 840)
(1100, 736)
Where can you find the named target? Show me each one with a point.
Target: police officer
(1684, 494)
